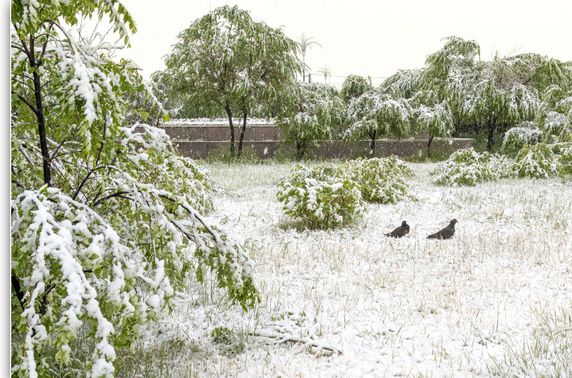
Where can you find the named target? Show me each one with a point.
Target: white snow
(392, 307)
(217, 122)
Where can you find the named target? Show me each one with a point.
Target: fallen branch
(287, 338)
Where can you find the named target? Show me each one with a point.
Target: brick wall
(199, 141)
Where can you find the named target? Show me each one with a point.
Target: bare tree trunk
(372, 135)
(40, 116)
(231, 125)
(242, 131)
(300, 150)
(429, 145)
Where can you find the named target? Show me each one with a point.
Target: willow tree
(488, 97)
(497, 99)
(403, 83)
(107, 220)
(436, 120)
(315, 111)
(230, 62)
(353, 87)
(375, 115)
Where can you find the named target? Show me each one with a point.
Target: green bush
(536, 161)
(564, 152)
(468, 167)
(320, 197)
(379, 180)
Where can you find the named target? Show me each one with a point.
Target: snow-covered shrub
(536, 161)
(468, 167)
(380, 180)
(556, 128)
(525, 134)
(564, 153)
(320, 197)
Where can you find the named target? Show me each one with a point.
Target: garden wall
(263, 139)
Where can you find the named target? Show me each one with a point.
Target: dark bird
(445, 233)
(399, 231)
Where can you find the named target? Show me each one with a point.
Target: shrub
(468, 167)
(379, 180)
(525, 134)
(556, 128)
(320, 197)
(564, 152)
(536, 161)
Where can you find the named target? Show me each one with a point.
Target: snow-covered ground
(496, 299)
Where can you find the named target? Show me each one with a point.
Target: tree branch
(18, 290)
(29, 104)
(120, 194)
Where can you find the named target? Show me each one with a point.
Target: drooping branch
(287, 338)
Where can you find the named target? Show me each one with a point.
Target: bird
(399, 231)
(445, 233)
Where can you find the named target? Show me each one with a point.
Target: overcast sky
(369, 37)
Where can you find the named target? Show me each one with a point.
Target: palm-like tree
(327, 72)
(305, 44)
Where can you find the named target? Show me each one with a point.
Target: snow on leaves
(375, 113)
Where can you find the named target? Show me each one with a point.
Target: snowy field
(494, 300)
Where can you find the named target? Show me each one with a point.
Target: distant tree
(404, 83)
(375, 114)
(327, 72)
(231, 62)
(496, 99)
(488, 96)
(305, 44)
(353, 87)
(180, 98)
(316, 109)
(436, 120)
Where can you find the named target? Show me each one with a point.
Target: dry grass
(495, 299)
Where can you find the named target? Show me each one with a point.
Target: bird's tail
(432, 236)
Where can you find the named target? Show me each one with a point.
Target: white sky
(369, 37)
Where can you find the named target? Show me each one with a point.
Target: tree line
(227, 64)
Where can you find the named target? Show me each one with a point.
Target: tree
(315, 111)
(227, 61)
(106, 221)
(375, 114)
(327, 72)
(488, 96)
(404, 83)
(436, 120)
(305, 44)
(498, 100)
(353, 87)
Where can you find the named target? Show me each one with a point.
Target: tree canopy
(353, 87)
(376, 114)
(227, 62)
(315, 111)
